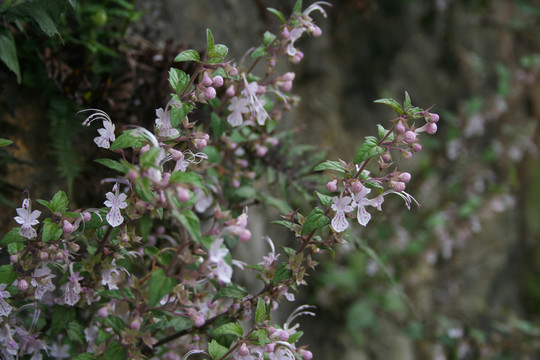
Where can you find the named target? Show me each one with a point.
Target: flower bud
(261, 150)
(217, 81)
(134, 325)
(200, 143)
(271, 330)
(182, 194)
(207, 80)
(282, 335)
(43, 255)
(272, 141)
(316, 31)
(59, 256)
(177, 155)
(285, 33)
(235, 183)
(433, 117)
(67, 228)
(356, 186)
(289, 76)
(270, 347)
(398, 186)
(22, 285)
(209, 93)
(409, 137)
(400, 128)
(244, 350)
(405, 177)
(331, 186)
(199, 321)
(272, 62)
(13, 258)
(287, 86)
(233, 71)
(306, 354)
(245, 235)
(298, 57)
(74, 247)
(406, 155)
(386, 157)
(86, 216)
(416, 147)
(145, 148)
(103, 312)
(431, 128)
(230, 91)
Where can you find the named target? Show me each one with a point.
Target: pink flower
(116, 202)
(361, 202)
(216, 255)
(42, 281)
(27, 218)
(106, 133)
(72, 288)
(237, 107)
(5, 308)
(341, 207)
(163, 124)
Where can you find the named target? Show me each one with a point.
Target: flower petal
(339, 222)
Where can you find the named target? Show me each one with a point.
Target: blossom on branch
(115, 201)
(27, 218)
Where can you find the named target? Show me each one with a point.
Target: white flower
(116, 202)
(163, 124)
(5, 308)
(27, 218)
(237, 107)
(256, 105)
(203, 201)
(42, 281)
(341, 206)
(106, 133)
(216, 255)
(72, 288)
(361, 202)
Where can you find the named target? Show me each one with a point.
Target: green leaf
(59, 202)
(216, 350)
(231, 291)
(392, 103)
(324, 199)
(8, 55)
(178, 80)
(51, 231)
(188, 55)
(232, 328)
(268, 37)
(190, 178)
(75, 332)
(209, 40)
(294, 337)
(5, 142)
(297, 7)
(149, 158)
(330, 165)
(191, 222)
(38, 13)
(407, 102)
(280, 204)
(282, 273)
(115, 351)
(180, 323)
(218, 53)
(85, 356)
(260, 313)
(259, 52)
(115, 322)
(369, 149)
(160, 285)
(285, 223)
(315, 220)
(11, 237)
(113, 164)
(178, 113)
(278, 13)
(217, 125)
(61, 317)
(130, 138)
(15, 247)
(7, 274)
(382, 133)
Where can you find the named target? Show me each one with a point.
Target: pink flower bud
(331, 186)
(282, 335)
(166, 178)
(244, 350)
(22, 285)
(14, 258)
(398, 186)
(287, 86)
(103, 312)
(73, 247)
(409, 137)
(182, 194)
(270, 347)
(306, 354)
(43, 255)
(285, 33)
(298, 57)
(233, 71)
(207, 80)
(245, 235)
(199, 321)
(431, 128)
(230, 91)
(272, 141)
(217, 81)
(86, 216)
(386, 157)
(406, 155)
(235, 183)
(405, 177)
(289, 76)
(145, 148)
(209, 93)
(261, 150)
(200, 143)
(356, 186)
(67, 228)
(400, 128)
(271, 330)
(316, 31)
(204, 136)
(433, 117)
(59, 256)
(176, 155)
(272, 63)
(134, 325)
(416, 147)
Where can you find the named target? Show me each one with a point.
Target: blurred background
(457, 278)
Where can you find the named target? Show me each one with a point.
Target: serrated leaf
(115, 351)
(5, 142)
(231, 291)
(51, 231)
(280, 204)
(268, 38)
(191, 222)
(188, 55)
(260, 313)
(113, 164)
(12, 236)
(190, 178)
(178, 80)
(407, 102)
(180, 323)
(278, 13)
(218, 53)
(216, 350)
(40, 15)
(369, 149)
(232, 328)
(75, 333)
(178, 113)
(330, 165)
(61, 317)
(315, 220)
(382, 133)
(209, 40)
(282, 273)
(8, 55)
(15, 247)
(324, 199)
(285, 223)
(160, 285)
(59, 202)
(259, 52)
(115, 322)
(7, 274)
(392, 103)
(127, 139)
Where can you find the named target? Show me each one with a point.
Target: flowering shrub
(150, 274)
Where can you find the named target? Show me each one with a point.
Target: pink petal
(339, 222)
